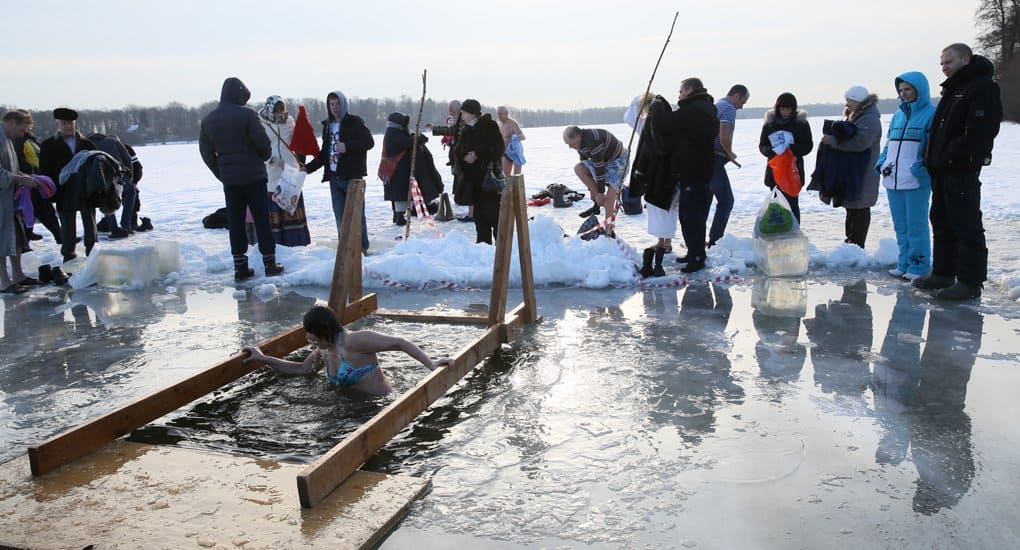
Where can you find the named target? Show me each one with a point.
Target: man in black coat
(235, 147)
(689, 135)
(963, 131)
(54, 154)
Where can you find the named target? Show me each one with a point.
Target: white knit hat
(857, 93)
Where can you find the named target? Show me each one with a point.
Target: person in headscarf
(288, 229)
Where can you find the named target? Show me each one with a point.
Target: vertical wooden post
(501, 261)
(348, 251)
(530, 313)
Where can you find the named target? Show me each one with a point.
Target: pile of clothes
(560, 195)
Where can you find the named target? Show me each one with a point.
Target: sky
(565, 54)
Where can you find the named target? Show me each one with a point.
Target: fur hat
(471, 106)
(856, 93)
(63, 113)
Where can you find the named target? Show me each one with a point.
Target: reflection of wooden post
(347, 268)
(501, 259)
(524, 250)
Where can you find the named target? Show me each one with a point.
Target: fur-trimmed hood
(770, 116)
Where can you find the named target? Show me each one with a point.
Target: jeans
(68, 228)
(723, 192)
(253, 197)
(338, 194)
(127, 209)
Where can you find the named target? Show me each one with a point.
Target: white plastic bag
(288, 190)
(775, 216)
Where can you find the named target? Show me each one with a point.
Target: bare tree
(998, 22)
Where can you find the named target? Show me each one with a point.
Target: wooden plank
(530, 312)
(133, 495)
(357, 309)
(85, 438)
(501, 260)
(348, 249)
(324, 475)
(458, 317)
(354, 289)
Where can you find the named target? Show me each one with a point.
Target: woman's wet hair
(320, 321)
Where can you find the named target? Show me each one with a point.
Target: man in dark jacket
(963, 131)
(54, 154)
(689, 134)
(112, 146)
(345, 144)
(235, 147)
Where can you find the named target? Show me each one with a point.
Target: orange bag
(784, 171)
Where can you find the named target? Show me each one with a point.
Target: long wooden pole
(414, 156)
(647, 90)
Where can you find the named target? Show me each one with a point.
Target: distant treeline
(177, 122)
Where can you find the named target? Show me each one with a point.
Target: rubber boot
(646, 262)
(657, 271)
(399, 219)
(272, 268)
(558, 200)
(45, 273)
(241, 269)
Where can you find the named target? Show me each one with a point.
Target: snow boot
(399, 218)
(272, 268)
(646, 262)
(558, 200)
(58, 276)
(657, 271)
(960, 291)
(45, 273)
(693, 264)
(146, 225)
(241, 269)
(932, 281)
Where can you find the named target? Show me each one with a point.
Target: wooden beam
(327, 473)
(501, 260)
(453, 317)
(85, 438)
(530, 312)
(348, 249)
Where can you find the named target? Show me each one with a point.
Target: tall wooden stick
(633, 130)
(414, 157)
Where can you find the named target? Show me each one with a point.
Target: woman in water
(349, 357)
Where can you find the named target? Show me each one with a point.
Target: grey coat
(868, 136)
(8, 169)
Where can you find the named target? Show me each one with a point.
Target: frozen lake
(846, 412)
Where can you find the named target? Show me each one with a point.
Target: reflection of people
(841, 332)
(778, 353)
(895, 378)
(349, 357)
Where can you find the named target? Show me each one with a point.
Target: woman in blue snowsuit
(905, 177)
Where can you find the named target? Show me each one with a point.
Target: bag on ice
(288, 191)
(775, 216)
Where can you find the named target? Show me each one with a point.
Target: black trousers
(958, 235)
(858, 221)
(46, 214)
(68, 228)
(486, 218)
(253, 197)
(695, 200)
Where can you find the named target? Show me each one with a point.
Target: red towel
(304, 142)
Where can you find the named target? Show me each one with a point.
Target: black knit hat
(63, 113)
(786, 99)
(471, 106)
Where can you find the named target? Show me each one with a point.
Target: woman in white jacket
(289, 229)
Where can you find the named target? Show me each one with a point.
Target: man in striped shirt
(603, 160)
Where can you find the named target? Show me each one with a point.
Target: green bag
(775, 219)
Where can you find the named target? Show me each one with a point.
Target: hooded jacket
(802, 141)
(232, 142)
(903, 154)
(966, 120)
(355, 136)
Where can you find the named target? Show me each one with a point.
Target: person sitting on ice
(603, 160)
(349, 357)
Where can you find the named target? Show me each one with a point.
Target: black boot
(657, 271)
(59, 277)
(272, 268)
(646, 262)
(399, 219)
(45, 273)
(595, 209)
(241, 269)
(558, 200)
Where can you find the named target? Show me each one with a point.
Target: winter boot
(657, 271)
(595, 209)
(59, 277)
(693, 264)
(932, 281)
(960, 291)
(646, 262)
(399, 219)
(146, 225)
(272, 268)
(241, 269)
(558, 200)
(45, 273)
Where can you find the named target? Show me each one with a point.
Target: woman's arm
(280, 365)
(369, 342)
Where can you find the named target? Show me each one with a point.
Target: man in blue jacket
(962, 134)
(235, 147)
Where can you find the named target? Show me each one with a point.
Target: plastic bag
(775, 216)
(784, 171)
(288, 191)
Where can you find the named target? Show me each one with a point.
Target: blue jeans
(338, 194)
(723, 193)
(127, 198)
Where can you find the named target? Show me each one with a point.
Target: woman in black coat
(479, 146)
(785, 117)
(397, 144)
